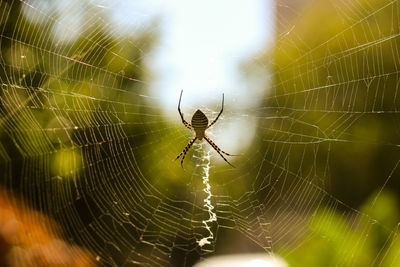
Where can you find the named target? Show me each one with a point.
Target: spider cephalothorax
(199, 126)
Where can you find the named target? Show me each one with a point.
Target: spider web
(84, 142)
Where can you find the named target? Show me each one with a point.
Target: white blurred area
(244, 260)
(202, 48)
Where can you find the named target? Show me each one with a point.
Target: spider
(200, 125)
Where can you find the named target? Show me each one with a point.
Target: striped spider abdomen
(199, 124)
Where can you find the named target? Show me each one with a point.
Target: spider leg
(187, 125)
(222, 109)
(217, 149)
(186, 150)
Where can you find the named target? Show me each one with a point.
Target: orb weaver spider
(199, 125)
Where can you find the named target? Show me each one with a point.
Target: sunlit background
(89, 130)
(200, 49)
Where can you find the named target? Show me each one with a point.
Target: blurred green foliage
(334, 99)
(337, 239)
(335, 86)
(336, 78)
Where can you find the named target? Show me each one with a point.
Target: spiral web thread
(84, 142)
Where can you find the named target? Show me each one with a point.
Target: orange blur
(28, 238)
